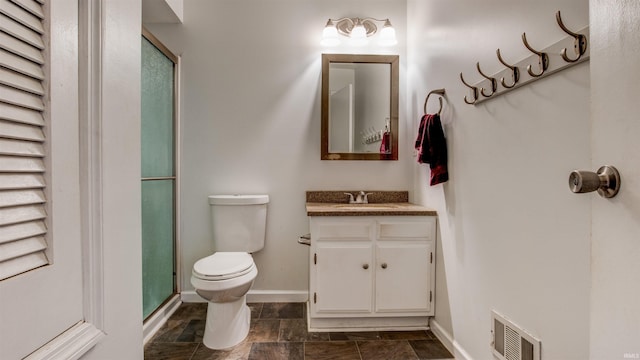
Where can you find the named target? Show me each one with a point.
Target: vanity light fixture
(358, 30)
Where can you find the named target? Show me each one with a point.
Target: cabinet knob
(384, 265)
(365, 266)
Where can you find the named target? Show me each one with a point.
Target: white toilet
(224, 278)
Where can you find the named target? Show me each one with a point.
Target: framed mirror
(359, 107)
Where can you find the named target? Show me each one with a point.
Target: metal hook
(580, 43)
(494, 82)
(475, 92)
(543, 58)
(437, 92)
(514, 69)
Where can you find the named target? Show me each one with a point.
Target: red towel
(432, 148)
(385, 144)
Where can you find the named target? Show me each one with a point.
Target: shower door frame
(167, 307)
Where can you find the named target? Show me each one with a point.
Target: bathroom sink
(382, 206)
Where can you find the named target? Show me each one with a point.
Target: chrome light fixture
(358, 30)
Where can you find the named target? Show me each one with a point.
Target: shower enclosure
(158, 174)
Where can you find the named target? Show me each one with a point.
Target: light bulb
(387, 35)
(330, 35)
(358, 34)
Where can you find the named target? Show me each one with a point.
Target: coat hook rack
(550, 59)
(440, 92)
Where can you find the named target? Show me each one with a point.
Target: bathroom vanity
(371, 265)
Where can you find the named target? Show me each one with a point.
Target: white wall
(341, 113)
(513, 237)
(615, 314)
(162, 11)
(371, 104)
(251, 121)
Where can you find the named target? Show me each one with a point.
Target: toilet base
(227, 324)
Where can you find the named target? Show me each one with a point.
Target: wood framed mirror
(359, 107)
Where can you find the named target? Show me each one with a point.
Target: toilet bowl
(223, 279)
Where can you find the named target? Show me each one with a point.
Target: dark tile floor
(279, 331)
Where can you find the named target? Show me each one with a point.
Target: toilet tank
(238, 222)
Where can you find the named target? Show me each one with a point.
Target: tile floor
(279, 331)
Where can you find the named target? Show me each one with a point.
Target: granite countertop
(381, 203)
(379, 209)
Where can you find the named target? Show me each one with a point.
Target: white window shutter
(22, 137)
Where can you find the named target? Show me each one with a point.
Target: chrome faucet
(361, 198)
(351, 200)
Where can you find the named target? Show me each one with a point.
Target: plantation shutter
(22, 138)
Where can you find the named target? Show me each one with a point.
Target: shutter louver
(22, 150)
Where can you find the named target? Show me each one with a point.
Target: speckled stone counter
(381, 203)
(340, 197)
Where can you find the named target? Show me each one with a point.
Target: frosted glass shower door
(158, 177)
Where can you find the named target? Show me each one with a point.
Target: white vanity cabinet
(371, 272)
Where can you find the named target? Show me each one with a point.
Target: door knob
(606, 181)
(384, 265)
(365, 266)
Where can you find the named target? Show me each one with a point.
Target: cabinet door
(344, 279)
(403, 276)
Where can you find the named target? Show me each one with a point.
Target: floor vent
(510, 342)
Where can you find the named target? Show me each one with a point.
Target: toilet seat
(223, 266)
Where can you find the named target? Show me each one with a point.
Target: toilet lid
(223, 265)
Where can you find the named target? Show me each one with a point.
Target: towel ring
(440, 92)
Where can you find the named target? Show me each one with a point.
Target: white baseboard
(151, 326)
(71, 344)
(190, 296)
(261, 296)
(444, 336)
(257, 296)
(448, 341)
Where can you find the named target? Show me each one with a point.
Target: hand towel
(385, 144)
(432, 148)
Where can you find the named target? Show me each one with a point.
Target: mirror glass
(359, 107)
